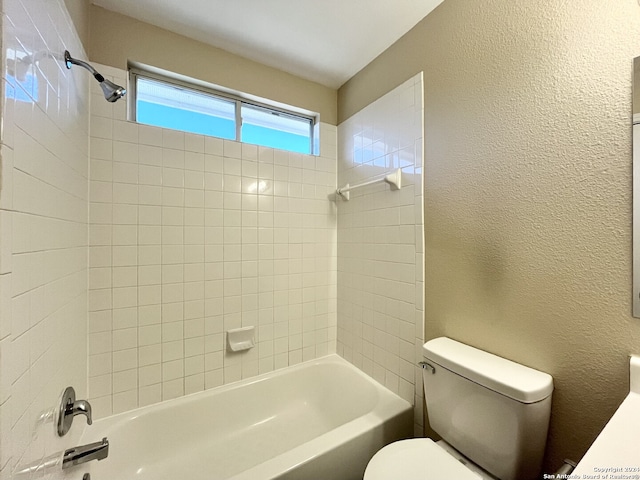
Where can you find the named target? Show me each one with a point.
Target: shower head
(111, 91)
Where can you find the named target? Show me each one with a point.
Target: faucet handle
(69, 408)
(82, 407)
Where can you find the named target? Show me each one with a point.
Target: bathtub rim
(112, 421)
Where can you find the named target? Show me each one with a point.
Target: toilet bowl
(422, 459)
(492, 414)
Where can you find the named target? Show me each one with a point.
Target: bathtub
(322, 419)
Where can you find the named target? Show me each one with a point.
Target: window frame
(238, 98)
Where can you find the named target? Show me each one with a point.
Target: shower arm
(69, 60)
(112, 92)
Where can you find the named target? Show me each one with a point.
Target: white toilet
(492, 414)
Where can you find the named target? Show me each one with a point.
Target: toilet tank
(492, 410)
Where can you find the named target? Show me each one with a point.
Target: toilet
(492, 415)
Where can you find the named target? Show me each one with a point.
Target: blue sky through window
(189, 121)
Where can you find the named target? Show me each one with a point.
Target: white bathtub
(319, 420)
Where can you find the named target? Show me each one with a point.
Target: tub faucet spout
(86, 453)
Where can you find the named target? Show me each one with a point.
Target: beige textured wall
(80, 11)
(636, 90)
(116, 39)
(528, 190)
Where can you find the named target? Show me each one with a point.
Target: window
(169, 103)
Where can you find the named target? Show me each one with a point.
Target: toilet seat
(416, 459)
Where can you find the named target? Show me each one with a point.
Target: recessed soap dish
(240, 339)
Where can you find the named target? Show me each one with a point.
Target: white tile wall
(191, 236)
(380, 243)
(43, 233)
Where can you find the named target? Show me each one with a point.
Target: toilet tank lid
(503, 376)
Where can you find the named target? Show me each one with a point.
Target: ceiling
(326, 41)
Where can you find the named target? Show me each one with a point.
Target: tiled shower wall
(380, 243)
(191, 236)
(43, 233)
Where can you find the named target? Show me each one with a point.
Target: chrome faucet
(85, 453)
(82, 407)
(69, 408)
